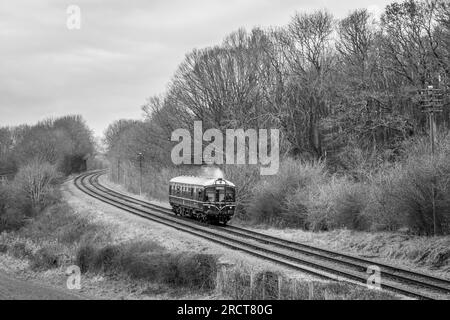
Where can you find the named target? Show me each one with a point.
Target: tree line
(335, 87)
(64, 143)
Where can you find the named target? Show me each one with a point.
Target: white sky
(124, 52)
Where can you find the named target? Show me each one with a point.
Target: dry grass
(429, 255)
(240, 283)
(60, 238)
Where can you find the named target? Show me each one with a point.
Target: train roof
(201, 181)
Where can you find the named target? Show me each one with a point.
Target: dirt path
(13, 289)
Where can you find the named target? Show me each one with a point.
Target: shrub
(349, 208)
(339, 203)
(48, 257)
(60, 223)
(280, 199)
(35, 183)
(382, 204)
(4, 198)
(245, 177)
(84, 257)
(20, 250)
(104, 259)
(12, 220)
(149, 261)
(197, 271)
(405, 194)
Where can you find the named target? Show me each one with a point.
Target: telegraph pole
(140, 158)
(431, 103)
(118, 170)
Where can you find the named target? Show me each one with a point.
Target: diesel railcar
(206, 199)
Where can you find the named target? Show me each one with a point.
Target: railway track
(309, 259)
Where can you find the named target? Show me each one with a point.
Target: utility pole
(118, 170)
(431, 103)
(140, 158)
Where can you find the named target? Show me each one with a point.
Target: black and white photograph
(224, 158)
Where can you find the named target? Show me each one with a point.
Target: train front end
(220, 204)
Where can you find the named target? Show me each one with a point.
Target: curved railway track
(305, 258)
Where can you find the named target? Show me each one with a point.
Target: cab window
(220, 194)
(230, 195)
(210, 195)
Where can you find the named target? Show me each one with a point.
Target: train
(208, 200)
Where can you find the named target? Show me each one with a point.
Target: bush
(84, 257)
(20, 250)
(60, 223)
(281, 199)
(49, 257)
(197, 271)
(104, 259)
(408, 194)
(34, 184)
(339, 203)
(149, 261)
(12, 220)
(3, 248)
(382, 204)
(245, 177)
(4, 198)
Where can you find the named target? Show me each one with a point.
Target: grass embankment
(59, 238)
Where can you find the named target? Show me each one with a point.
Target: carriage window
(170, 189)
(200, 195)
(192, 192)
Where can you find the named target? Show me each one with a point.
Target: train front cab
(220, 202)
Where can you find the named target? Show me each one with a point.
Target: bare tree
(35, 181)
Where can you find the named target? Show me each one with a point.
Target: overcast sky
(124, 52)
